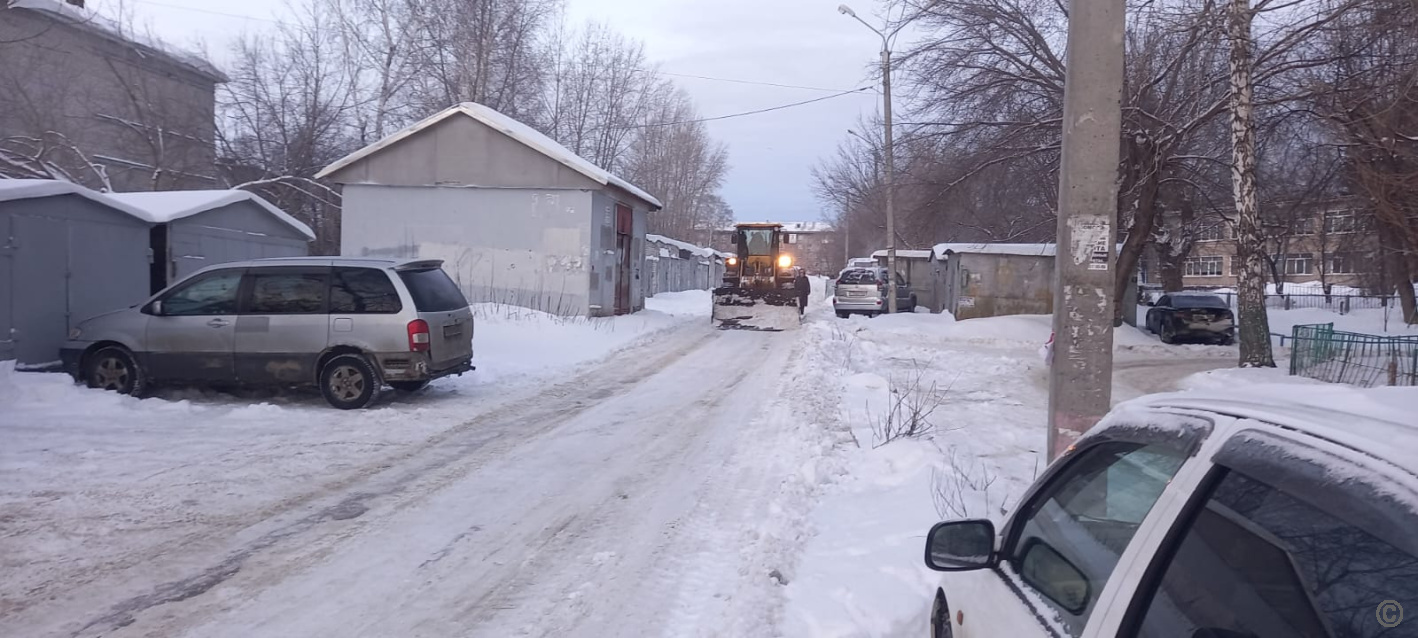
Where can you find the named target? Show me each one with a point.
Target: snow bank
(861, 573)
(512, 341)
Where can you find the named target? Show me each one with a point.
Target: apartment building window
(1340, 223)
(1216, 231)
(1202, 266)
(1300, 264)
(1303, 226)
(1346, 263)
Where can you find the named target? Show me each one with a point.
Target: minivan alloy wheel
(346, 382)
(113, 368)
(111, 373)
(350, 382)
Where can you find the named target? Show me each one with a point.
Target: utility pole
(1081, 376)
(890, 157)
(890, 175)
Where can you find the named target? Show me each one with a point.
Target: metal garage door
(38, 290)
(7, 301)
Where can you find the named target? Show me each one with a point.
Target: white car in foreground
(1273, 512)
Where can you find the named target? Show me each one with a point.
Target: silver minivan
(348, 325)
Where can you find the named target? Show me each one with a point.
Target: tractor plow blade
(764, 310)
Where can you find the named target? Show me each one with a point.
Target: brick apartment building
(815, 246)
(1332, 243)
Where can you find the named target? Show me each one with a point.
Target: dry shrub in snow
(911, 405)
(961, 487)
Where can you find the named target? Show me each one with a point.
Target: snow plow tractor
(758, 291)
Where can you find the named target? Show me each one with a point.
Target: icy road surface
(653, 494)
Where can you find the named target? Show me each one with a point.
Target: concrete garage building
(515, 217)
(993, 280)
(196, 229)
(69, 253)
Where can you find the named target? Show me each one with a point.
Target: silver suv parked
(863, 290)
(347, 325)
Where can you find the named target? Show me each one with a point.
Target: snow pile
(981, 387)
(861, 574)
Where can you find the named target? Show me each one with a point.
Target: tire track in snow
(497, 431)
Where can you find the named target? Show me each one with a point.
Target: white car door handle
(218, 323)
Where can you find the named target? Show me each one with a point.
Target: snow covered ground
(639, 476)
(984, 388)
(93, 484)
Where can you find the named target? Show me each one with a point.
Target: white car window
(1073, 532)
(1258, 562)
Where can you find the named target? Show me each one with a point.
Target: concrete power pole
(1081, 376)
(888, 149)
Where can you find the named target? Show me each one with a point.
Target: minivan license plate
(452, 330)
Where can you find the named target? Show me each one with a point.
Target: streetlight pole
(890, 156)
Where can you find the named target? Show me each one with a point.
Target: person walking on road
(804, 288)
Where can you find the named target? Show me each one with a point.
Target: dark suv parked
(1192, 316)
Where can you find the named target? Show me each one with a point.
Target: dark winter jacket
(803, 286)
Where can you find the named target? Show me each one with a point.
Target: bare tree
(1365, 89)
(600, 90)
(674, 158)
(287, 112)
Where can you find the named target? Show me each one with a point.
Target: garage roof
(14, 189)
(512, 128)
(167, 206)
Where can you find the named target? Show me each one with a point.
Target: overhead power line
(754, 112)
(206, 11)
(753, 82)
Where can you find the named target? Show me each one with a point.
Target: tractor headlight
(733, 261)
(785, 261)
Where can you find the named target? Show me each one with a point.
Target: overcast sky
(800, 42)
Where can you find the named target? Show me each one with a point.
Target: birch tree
(1254, 326)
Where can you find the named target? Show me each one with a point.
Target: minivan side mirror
(154, 308)
(959, 546)
(1151, 302)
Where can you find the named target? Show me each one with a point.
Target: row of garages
(70, 253)
(674, 266)
(972, 280)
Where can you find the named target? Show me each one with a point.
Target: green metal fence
(1320, 352)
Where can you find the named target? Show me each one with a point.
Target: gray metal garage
(69, 253)
(195, 229)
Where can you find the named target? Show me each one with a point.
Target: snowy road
(650, 495)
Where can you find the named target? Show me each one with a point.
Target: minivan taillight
(418, 336)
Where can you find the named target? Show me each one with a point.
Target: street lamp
(887, 151)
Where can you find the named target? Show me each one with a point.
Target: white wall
(524, 247)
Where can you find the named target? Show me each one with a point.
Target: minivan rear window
(858, 276)
(433, 290)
